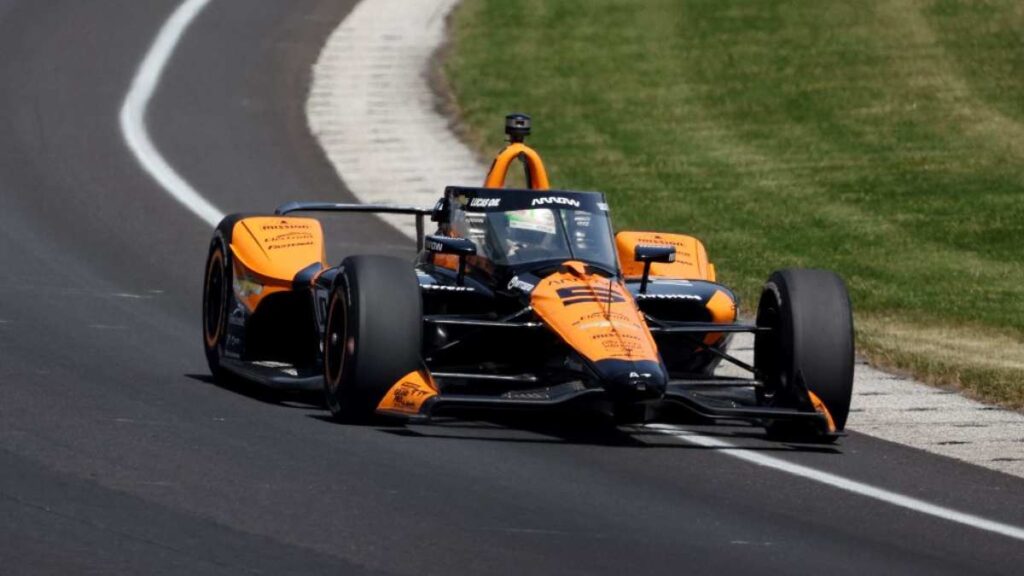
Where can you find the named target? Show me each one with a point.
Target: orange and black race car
(522, 299)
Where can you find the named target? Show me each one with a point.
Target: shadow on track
(574, 428)
(253, 391)
(555, 427)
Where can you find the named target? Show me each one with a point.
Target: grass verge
(882, 139)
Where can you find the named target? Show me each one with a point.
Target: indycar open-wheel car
(521, 299)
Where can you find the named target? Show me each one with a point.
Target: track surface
(117, 454)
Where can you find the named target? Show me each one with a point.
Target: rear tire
(810, 341)
(373, 336)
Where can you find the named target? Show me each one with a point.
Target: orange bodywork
(691, 263)
(269, 251)
(723, 311)
(596, 316)
(408, 394)
(503, 161)
(691, 258)
(821, 408)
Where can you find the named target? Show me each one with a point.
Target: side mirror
(449, 245)
(461, 247)
(440, 211)
(648, 254)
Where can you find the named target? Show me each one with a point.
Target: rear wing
(419, 213)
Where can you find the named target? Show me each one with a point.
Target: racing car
(521, 299)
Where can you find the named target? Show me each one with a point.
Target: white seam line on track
(836, 481)
(133, 113)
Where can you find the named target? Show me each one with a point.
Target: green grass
(882, 139)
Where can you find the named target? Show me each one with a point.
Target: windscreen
(515, 227)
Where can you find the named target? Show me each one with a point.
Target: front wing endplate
(408, 395)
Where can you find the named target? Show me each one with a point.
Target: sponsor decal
(285, 225)
(658, 240)
(409, 395)
(669, 297)
(607, 324)
(560, 200)
(484, 202)
(625, 348)
(232, 344)
(516, 284)
(289, 236)
(616, 317)
(289, 240)
(289, 245)
(580, 294)
(434, 246)
(602, 206)
(613, 335)
(445, 288)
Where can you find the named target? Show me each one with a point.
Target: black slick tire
(373, 335)
(218, 298)
(809, 345)
(218, 295)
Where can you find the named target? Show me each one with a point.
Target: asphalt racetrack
(119, 455)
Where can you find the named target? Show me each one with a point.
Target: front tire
(219, 295)
(218, 299)
(373, 335)
(809, 345)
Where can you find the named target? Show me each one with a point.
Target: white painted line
(133, 113)
(842, 483)
(900, 410)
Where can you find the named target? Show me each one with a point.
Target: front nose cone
(627, 381)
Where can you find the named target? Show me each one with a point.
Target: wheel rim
(215, 299)
(334, 347)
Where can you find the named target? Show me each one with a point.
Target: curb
(373, 111)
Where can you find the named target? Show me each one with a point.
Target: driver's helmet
(533, 227)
